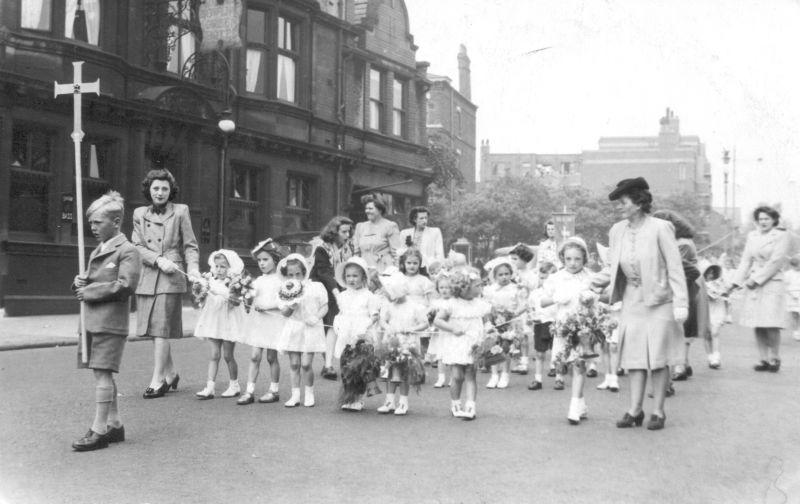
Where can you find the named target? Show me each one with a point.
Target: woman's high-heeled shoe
(630, 421)
(656, 422)
(151, 393)
(174, 384)
(774, 365)
(761, 366)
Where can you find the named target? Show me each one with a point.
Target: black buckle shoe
(630, 421)
(761, 366)
(91, 441)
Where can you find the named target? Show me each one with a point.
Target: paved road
(731, 436)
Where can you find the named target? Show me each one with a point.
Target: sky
(729, 69)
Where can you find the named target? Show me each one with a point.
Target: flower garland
(360, 369)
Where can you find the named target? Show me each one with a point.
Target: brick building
(452, 116)
(671, 163)
(327, 97)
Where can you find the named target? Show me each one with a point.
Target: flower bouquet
(488, 353)
(242, 290)
(360, 368)
(507, 337)
(401, 363)
(200, 290)
(584, 328)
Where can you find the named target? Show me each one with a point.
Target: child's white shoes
(309, 401)
(493, 381)
(503, 381)
(206, 393)
(402, 406)
(469, 411)
(440, 382)
(577, 410)
(388, 406)
(294, 400)
(233, 390)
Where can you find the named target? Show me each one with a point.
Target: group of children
(396, 319)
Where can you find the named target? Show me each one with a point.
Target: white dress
(565, 288)
(399, 318)
(219, 318)
(264, 323)
(356, 309)
(296, 335)
(464, 315)
(435, 346)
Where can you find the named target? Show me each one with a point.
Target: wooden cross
(76, 89)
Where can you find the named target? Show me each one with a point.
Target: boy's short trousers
(105, 351)
(542, 337)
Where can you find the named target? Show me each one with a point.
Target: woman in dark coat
(335, 247)
(162, 232)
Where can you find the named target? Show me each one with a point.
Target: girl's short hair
(522, 252)
(331, 230)
(293, 262)
(439, 279)
(111, 204)
(160, 174)
(410, 252)
(462, 278)
(682, 227)
(273, 253)
(375, 200)
(412, 215)
(547, 267)
(774, 214)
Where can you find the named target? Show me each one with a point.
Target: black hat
(626, 186)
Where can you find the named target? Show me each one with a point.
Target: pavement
(43, 331)
(731, 437)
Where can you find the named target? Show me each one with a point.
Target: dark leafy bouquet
(360, 369)
(400, 363)
(504, 327)
(488, 353)
(242, 290)
(584, 328)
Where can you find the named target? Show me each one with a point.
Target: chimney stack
(464, 84)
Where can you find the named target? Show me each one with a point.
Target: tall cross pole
(76, 89)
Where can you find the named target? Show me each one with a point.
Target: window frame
(49, 178)
(50, 21)
(244, 205)
(379, 102)
(100, 22)
(262, 47)
(400, 112)
(293, 53)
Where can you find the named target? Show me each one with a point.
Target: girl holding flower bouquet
(462, 320)
(420, 288)
(402, 322)
(303, 304)
(221, 318)
(564, 290)
(264, 323)
(359, 311)
(503, 295)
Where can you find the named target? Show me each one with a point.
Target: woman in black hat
(647, 276)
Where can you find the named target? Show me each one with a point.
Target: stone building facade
(327, 97)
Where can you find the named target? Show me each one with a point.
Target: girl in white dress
(420, 289)
(402, 322)
(564, 290)
(462, 319)
(445, 294)
(221, 320)
(264, 323)
(503, 295)
(303, 333)
(359, 311)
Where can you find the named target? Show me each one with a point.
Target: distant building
(553, 170)
(452, 116)
(670, 162)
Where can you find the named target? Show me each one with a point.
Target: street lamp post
(226, 126)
